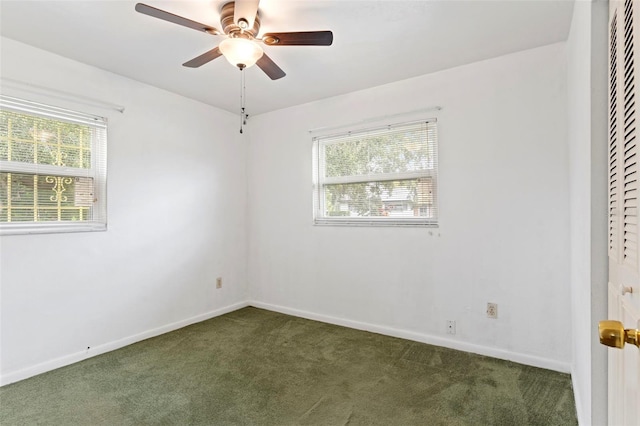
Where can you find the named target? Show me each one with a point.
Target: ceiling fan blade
(170, 17)
(270, 68)
(203, 59)
(247, 10)
(304, 38)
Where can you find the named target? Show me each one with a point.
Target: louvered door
(628, 141)
(614, 162)
(624, 157)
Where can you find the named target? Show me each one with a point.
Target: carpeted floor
(255, 367)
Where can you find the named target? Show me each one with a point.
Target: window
(382, 176)
(52, 169)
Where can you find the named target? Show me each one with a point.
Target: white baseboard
(375, 328)
(520, 358)
(25, 373)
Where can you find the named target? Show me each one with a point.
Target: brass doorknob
(613, 334)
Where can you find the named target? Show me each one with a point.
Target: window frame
(98, 168)
(319, 142)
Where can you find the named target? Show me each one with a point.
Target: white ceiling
(375, 42)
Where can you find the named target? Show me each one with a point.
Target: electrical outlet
(219, 282)
(451, 327)
(492, 310)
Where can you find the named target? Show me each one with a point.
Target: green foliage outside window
(32, 197)
(391, 153)
(31, 139)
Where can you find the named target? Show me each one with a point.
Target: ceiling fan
(240, 20)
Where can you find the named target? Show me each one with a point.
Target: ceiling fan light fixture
(240, 52)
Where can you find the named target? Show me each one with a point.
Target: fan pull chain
(243, 96)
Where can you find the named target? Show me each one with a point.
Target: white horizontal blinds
(629, 143)
(52, 112)
(387, 173)
(52, 164)
(614, 166)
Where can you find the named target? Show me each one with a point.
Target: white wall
(504, 227)
(176, 206)
(587, 121)
(503, 237)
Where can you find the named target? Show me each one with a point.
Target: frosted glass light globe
(240, 52)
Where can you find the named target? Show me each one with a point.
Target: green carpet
(255, 367)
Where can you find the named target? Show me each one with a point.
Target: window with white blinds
(381, 176)
(52, 169)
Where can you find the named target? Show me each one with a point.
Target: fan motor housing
(229, 26)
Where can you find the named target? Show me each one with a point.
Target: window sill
(49, 228)
(410, 223)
